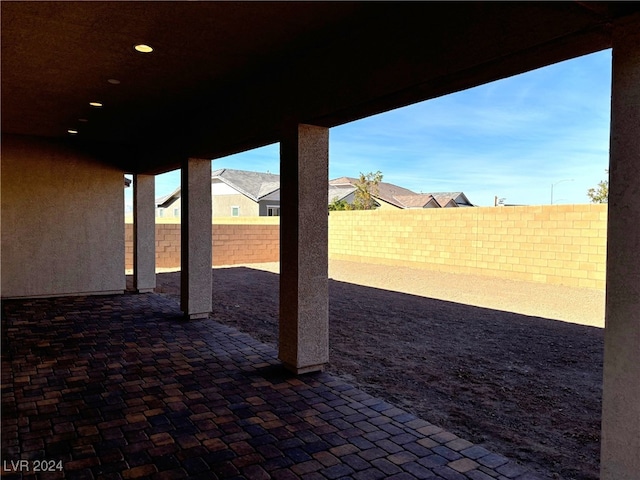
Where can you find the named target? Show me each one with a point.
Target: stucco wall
(556, 244)
(222, 204)
(62, 221)
(169, 211)
(221, 207)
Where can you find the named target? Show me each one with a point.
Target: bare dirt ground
(513, 366)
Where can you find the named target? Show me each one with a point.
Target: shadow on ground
(527, 387)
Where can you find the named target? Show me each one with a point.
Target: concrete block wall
(555, 244)
(235, 241)
(167, 245)
(252, 243)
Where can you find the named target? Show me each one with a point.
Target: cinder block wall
(246, 243)
(167, 245)
(235, 240)
(556, 244)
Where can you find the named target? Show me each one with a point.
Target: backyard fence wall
(235, 241)
(556, 244)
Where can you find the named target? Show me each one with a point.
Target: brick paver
(121, 387)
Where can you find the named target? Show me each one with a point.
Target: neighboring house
(385, 197)
(169, 205)
(393, 196)
(242, 193)
(234, 193)
(422, 200)
(341, 192)
(452, 199)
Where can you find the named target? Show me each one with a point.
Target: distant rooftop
(386, 191)
(257, 185)
(254, 185)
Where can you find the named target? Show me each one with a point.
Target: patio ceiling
(226, 76)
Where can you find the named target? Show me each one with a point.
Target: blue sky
(512, 138)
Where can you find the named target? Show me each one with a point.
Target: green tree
(366, 189)
(600, 194)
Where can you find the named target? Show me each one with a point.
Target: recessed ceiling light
(114, 81)
(83, 120)
(95, 104)
(142, 48)
(72, 131)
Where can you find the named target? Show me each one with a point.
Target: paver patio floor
(119, 387)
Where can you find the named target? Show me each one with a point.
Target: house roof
(167, 200)
(339, 192)
(459, 198)
(257, 185)
(387, 192)
(254, 185)
(399, 196)
(267, 188)
(417, 201)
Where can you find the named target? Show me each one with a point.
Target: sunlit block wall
(556, 244)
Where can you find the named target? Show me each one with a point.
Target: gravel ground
(576, 305)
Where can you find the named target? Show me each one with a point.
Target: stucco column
(620, 458)
(144, 233)
(304, 294)
(195, 242)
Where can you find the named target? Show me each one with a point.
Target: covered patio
(120, 387)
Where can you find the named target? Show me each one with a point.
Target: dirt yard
(512, 366)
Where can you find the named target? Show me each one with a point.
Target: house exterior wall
(173, 210)
(265, 204)
(222, 205)
(556, 244)
(62, 221)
